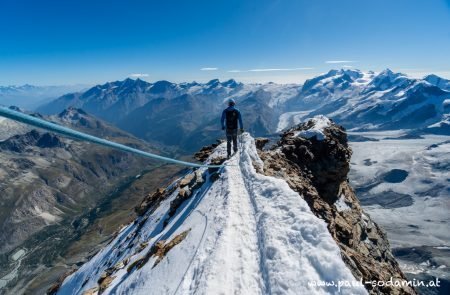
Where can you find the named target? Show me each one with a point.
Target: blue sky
(77, 41)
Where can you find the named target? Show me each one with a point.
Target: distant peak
(161, 86)
(15, 108)
(128, 81)
(432, 77)
(390, 74)
(213, 82)
(230, 83)
(352, 73)
(162, 82)
(71, 112)
(332, 72)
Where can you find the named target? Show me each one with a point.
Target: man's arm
(222, 120)
(240, 120)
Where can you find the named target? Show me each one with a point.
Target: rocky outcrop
(151, 200)
(22, 142)
(206, 151)
(159, 250)
(317, 169)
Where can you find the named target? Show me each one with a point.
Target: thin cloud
(347, 67)
(270, 70)
(279, 70)
(209, 69)
(138, 75)
(339, 61)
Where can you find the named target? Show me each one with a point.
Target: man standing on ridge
(231, 115)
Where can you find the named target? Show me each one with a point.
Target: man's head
(231, 102)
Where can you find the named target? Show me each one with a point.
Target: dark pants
(231, 136)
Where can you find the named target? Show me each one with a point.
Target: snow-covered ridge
(319, 123)
(368, 100)
(244, 233)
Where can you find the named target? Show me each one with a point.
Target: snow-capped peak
(438, 81)
(388, 79)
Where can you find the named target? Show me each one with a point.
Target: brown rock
(150, 201)
(92, 291)
(206, 151)
(187, 180)
(260, 142)
(160, 249)
(317, 170)
(104, 283)
(163, 249)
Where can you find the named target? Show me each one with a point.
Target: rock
(317, 170)
(160, 249)
(163, 249)
(206, 151)
(187, 180)
(183, 195)
(48, 140)
(23, 164)
(216, 161)
(92, 291)
(327, 159)
(260, 142)
(150, 201)
(104, 283)
(55, 287)
(21, 142)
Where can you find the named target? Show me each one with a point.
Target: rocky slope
(271, 220)
(48, 186)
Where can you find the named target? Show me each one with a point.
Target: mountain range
(187, 115)
(30, 96)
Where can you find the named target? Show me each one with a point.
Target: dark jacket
(230, 118)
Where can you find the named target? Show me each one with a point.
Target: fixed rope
(40, 123)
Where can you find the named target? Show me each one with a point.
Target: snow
(442, 248)
(248, 234)
(290, 119)
(320, 123)
(341, 205)
(425, 222)
(9, 128)
(280, 93)
(47, 216)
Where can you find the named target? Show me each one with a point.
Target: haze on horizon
(86, 42)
